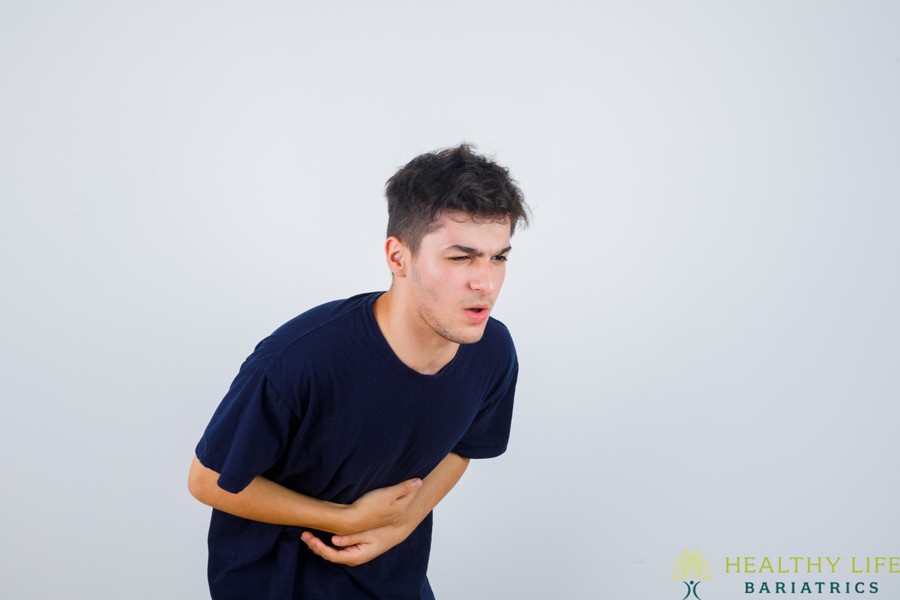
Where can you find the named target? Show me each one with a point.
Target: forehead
(458, 228)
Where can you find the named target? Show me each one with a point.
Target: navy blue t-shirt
(323, 406)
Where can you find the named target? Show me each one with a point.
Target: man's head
(453, 180)
(451, 215)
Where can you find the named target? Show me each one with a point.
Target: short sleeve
(488, 435)
(248, 432)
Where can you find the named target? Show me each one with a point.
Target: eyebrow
(474, 251)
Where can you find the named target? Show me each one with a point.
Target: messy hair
(454, 179)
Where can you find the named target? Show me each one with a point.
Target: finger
(346, 556)
(407, 487)
(312, 541)
(350, 540)
(318, 546)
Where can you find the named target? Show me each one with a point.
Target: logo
(787, 575)
(691, 569)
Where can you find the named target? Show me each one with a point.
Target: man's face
(456, 275)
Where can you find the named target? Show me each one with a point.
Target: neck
(411, 339)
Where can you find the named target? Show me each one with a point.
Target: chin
(469, 337)
(459, 334)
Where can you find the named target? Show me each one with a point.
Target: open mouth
(477, 314)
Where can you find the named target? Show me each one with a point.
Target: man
(302, 459)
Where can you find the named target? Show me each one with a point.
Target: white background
(705, 307)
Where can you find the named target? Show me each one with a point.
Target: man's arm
(358, 548)
(266, 501)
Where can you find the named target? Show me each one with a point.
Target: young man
(346, 426)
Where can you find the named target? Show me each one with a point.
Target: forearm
(358, 548)
(434, 487)
(266, 501)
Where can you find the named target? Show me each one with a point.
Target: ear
(397, 254)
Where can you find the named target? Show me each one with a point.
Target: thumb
(407, 487)
(347, 540)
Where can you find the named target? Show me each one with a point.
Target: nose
(482, 279)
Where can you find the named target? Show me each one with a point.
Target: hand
(381, 507)
(356, 548)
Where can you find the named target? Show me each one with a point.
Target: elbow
(193, 486)
(199, 481)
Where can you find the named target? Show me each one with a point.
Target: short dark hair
(453, 179)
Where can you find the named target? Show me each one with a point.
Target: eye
(501, 258)
(459, 258)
